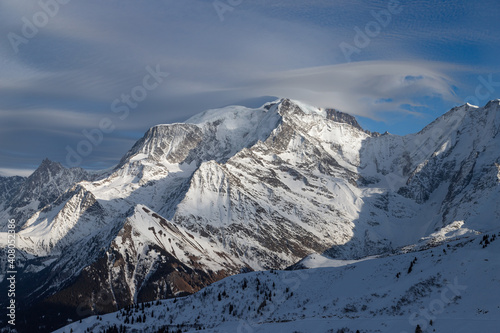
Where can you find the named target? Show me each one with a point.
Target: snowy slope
(150, 258)
(453, 284)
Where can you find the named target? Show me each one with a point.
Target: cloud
(360, 88)
(66, 77)
(6, 172)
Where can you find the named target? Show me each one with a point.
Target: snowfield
(451, 287)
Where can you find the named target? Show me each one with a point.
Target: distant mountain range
(235, 189)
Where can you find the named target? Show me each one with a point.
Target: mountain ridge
(264, 188)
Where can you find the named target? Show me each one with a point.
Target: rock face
(237, 189)
(8, 188)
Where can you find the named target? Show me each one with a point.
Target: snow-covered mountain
(25, 196)
(238, 189)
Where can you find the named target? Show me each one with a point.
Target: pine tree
(410, 268)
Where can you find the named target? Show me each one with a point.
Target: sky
(105, 71)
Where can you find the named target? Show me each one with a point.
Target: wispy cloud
(360, 88)
(65, 79)
(5, 172)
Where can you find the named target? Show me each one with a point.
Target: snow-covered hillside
(450, 287)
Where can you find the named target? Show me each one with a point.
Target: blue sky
(63, 64)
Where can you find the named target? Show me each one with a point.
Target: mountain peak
(492, 103)
(46, 163)
(288, 107)
(215, 134)
(47, 167)
(43, 186)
